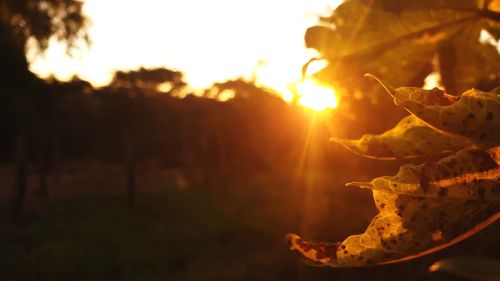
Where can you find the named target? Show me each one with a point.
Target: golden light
(315, 66)
(173, 41)
(226, 95)
(433, 80)
(315, 96)
(165, 87)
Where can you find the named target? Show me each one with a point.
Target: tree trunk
(131, 182)
(43, 169)
(56, 160)
(19, 192)
(131, 164)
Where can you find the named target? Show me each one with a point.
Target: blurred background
(177, 140)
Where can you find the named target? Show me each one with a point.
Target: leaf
(360, 26)
(470, 174)
(473, 267)
(389, 239)
(464, 62)
(398, 41)
(417, 216)
(411, 138)
(475, 115)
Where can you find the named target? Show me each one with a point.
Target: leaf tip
(314, 253)
(336, 140)
(360, 185)
(290, 238)
(435, 266)
(389, 89)
(469, 267)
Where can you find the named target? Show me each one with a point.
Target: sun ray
(315, 96)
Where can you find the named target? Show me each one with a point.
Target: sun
(315, 96)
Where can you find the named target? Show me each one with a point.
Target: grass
(87, 232)
(170, 234)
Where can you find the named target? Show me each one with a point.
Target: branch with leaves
(404, 41)
(427, 207)
(430, 206)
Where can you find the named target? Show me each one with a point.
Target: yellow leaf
(470, 174)
(475, 115)
(410, 138)
(422, 209)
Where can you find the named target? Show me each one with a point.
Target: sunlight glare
(165, 87)
(315, 96)
(151, 33)
(226, 95)
(433, 80)
(315, 67)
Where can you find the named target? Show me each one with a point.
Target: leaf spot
(437, 235)
(489, 116)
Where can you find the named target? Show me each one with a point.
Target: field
(187, 231)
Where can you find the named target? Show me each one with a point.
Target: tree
(429, 206)
(43, 20)
(147, 81)
(21, 21)
(130, 113)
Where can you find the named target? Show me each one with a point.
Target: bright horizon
(208, 41)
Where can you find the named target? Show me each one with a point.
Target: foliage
(26, 110)
(404, 41)
(144, 81)
(42, 20)
(425, 207)
(430, 206)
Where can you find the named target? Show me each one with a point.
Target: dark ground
(186, 231)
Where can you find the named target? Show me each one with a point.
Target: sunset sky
(209, 41)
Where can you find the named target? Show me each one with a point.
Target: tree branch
(490, 15)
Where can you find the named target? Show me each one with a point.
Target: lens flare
(315, 96)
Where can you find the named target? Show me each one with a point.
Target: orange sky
(208, 41)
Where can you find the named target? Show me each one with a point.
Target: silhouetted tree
(21, 20)
(70, 113)
(146, 81)
(130, 112)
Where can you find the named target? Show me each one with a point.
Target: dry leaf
(421, 210)
(411, 138)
